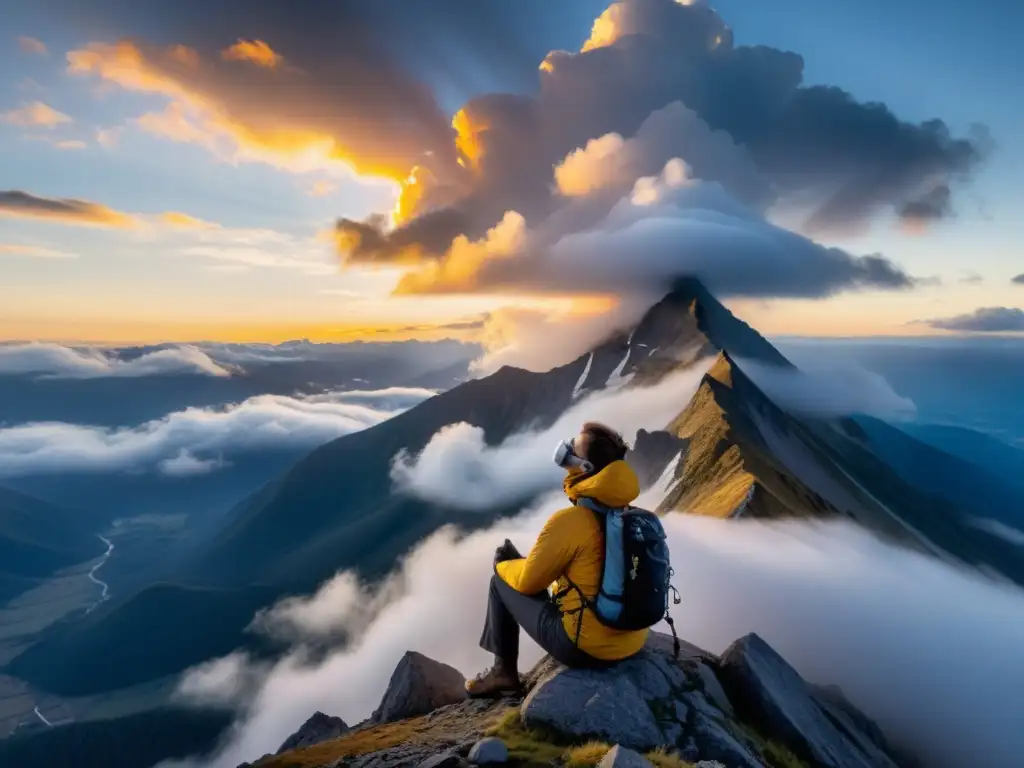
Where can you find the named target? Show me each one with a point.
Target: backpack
(636, 574)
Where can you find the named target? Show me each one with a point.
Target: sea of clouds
(930, 650)
(199, 440)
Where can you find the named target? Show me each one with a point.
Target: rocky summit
(746, 709)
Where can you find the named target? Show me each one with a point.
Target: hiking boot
(493, 683)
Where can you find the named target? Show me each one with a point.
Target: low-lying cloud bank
(829, 390)
(930, 651)
(58, 361)
(199, 440)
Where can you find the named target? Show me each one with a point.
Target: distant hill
(38, 539)
(970, 485)
(981, 449)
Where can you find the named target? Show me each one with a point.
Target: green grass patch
(529, 747)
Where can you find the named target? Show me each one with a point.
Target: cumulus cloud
(58, 361)
(35, 115)
(186, 442)
(458, 469)
(982, 320)
(826, 391)
(886, 624)
(290, 108)
(16, 203)
(657, 80)
(665, 227)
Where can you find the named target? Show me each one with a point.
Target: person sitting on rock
(568, 555)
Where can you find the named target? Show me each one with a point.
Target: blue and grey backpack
(636, 575)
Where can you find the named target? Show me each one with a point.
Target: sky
(336, 170)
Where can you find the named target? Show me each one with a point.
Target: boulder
(621, 757)
(608, 705)
(772, 695)
(319, 728)
(419, 685)
(489, 751)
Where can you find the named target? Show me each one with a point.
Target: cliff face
(747, 708)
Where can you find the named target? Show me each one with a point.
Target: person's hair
(600, 445)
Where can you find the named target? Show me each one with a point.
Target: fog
(929, 651)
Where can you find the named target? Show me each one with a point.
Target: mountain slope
(38, 539)
(969, 486)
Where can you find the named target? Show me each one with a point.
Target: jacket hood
(615, 486)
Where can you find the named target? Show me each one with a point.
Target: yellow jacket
(571, 545)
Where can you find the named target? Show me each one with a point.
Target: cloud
(540, 339)
(888, 625)
(62, 210)
(982, 320)
(108, 137)
(933, 206)
(458, 469)
(664, 227)
(185, 464)
(34, 251)
(311, 113)
(255, 51)
(196, 440)
(658, 80)
(70, 144)
(824, 390)
(971, 277)
(32, 45)
(57, 361)
(185, 221)
(36, 115)
(1018, 280)
(343, 607)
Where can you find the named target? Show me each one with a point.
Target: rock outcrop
(773, 696)
(419, 685)
(747, 709)
(317, 729)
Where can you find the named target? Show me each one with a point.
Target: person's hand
(506, 551)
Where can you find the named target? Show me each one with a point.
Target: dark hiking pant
(508, 610)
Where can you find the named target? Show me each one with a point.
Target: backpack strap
(578, 612)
